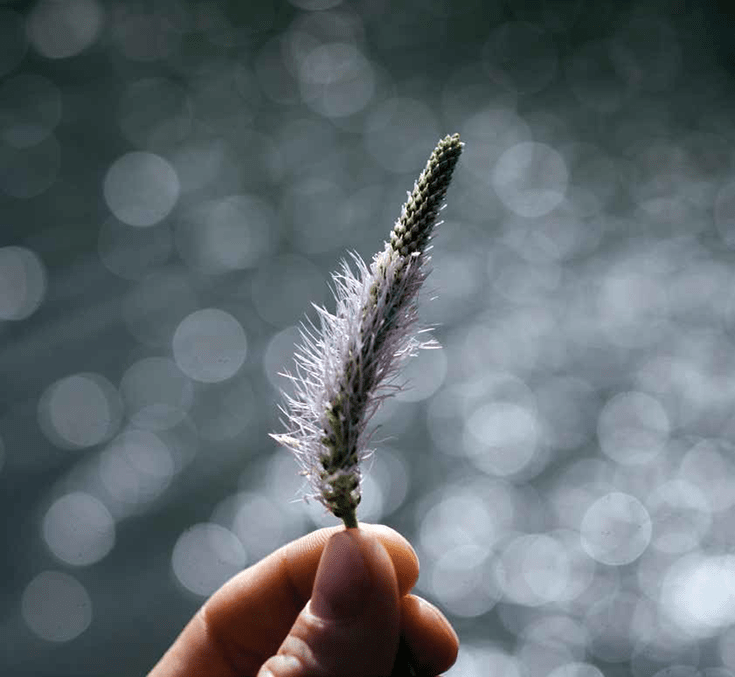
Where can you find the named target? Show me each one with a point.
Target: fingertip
(302, 555)
(404, 557)
(431, 639)
(344, 577)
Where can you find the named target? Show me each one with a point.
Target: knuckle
(295, 658)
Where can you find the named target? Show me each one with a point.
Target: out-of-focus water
(177, 181)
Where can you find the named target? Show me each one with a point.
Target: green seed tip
(418, 216)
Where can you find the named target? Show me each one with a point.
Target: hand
(330, 604)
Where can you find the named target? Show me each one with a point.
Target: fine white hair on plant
(345, 366)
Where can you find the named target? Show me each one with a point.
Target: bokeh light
(79, 529)
(532, 569)
(423, 376)
(681, 516)
(22, 283)
(633, 428)
(698, 594)
(576, 670)
(258, 521)
(231, 233)
(530, 178)
(205, 556)
(461, 581)
(387, 478)
(458, 520)
(724, 212)
(56, 607)
(141, 188)
(177, 182)
(209, 345)
(477, 660)
(502, 437)
(336, 80)
(157, 395)
(80, 411)
(59, 30)
(134, 469)
(278, 356)
(616, 529)
(708, 465)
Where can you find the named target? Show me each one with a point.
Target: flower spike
(345, 367)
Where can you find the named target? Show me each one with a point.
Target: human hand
(330, 604)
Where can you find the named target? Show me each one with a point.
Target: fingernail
(342, 580)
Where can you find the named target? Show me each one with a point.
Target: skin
(272, 621)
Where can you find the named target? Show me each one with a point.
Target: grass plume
(345, 367)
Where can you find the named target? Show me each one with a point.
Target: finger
(431, 641)
(351, 624)
(242, 614)
(304, 553)
(245, 621)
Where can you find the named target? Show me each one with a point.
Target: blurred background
(177, 181)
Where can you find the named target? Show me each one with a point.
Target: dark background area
(177, 181)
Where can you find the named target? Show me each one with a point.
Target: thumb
(351, 624)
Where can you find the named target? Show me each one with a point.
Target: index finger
(245, 621)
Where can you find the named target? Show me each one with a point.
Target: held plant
(346, 366)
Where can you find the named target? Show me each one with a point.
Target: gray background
(177, 181)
